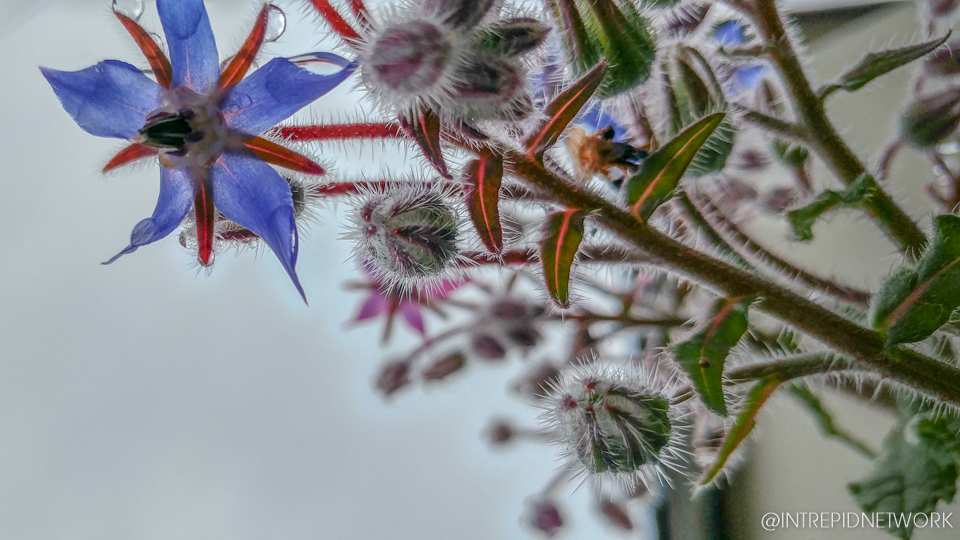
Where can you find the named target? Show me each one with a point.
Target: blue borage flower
(204, 125)
(733, 33)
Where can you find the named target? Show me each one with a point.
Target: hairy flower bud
(513, 37)
(407, 236)
(616, 424)
(459, 14)
(931, 119)
(408, 58)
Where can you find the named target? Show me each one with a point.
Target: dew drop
(276, 24)
(130, 8)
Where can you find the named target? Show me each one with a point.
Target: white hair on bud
(584, 390)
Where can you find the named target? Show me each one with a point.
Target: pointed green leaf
(914, 302)
(916, 471)
(563, 109)
(876, 64)
(484, 176)
(858, 193)
(693, 90)
(703, 356)
(561, 240)
(745, 422)
(661, 172)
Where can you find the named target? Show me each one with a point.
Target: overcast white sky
(146, 401)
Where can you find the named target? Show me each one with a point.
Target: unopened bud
(488, 347)
(525, 336)
(459, 14)
(545, 517)
(393, 377)
(444, 367)
(408, 235)
(617, 423)
(930, 120)
(513, 37)
(500, 433)
(409, 58)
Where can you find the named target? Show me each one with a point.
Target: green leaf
(916, 470)
(661, 172)
(876, 64)
(703, 356)
(484, 176)
(743, 425)
(561, 240)
(693, 91)
(802, 219)
(563, 109)
(825, 421)
(612, 30)
(914, 302)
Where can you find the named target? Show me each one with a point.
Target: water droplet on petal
(276, 24)
(130, 8)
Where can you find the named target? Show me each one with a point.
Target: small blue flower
(204, 125)
(733, 33)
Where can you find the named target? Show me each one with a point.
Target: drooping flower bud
(453, 57)
(459, 14)
(444, 367)
(487, 347)
(545, 516)
(393, 377)
(407, 236)
(409, 59)
(615, 424)
(931, 119)
(513, 37)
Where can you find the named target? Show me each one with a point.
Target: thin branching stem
(824, 138)
(866, 346)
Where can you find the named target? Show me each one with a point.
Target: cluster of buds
(510, 323)
(408, 237)
(459, 58)
(618, 424)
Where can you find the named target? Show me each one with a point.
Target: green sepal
(916, 301)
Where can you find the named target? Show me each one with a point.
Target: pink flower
(384, 301)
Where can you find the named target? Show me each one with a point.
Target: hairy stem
(824, 137)
(906, 366)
